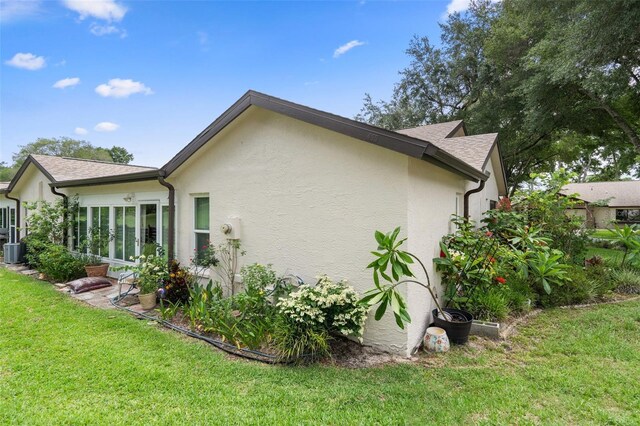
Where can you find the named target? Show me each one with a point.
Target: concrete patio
(100, 298)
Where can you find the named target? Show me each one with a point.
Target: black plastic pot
(458, 332)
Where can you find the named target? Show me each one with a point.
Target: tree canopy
(559, 82)
(64, 147)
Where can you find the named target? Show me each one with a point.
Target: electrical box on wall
(231, 228)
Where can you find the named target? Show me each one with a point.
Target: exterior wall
(309, 200)
(432, 201)
(33, 186)
(146, 192)
(581, 213)
(480, 202)
(604, 216)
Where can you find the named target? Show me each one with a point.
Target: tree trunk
(618, 119)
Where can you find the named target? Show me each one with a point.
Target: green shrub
(299, 342)
(627, 280)
(491, 306)
(519, 294)
(57, 263)
(586, 285)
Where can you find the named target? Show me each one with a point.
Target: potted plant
(94, 266)
(151, 272)
(392, 264)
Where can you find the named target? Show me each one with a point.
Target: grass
(62, 362)
(613, 255)
(603, 234)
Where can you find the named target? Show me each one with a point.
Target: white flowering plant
(151, 271)
(334, 307)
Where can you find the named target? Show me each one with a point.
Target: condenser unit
(13, 253)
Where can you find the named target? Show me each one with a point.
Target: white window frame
(196, 230)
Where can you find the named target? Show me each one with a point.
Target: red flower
(442, 254)
(489, 234)
(492, 259)
(501, 280)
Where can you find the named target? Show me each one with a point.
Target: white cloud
(27, 61)
(101, 30)
(347, 47)
(81, 131)
(107, 10)
(460, 6)
(66, 82)
(13, 10)
(118, 88)
(106, 126)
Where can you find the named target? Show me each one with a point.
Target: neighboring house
(304, 190)
(605, 203)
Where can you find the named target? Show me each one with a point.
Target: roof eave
(394, 141)
(106, 180)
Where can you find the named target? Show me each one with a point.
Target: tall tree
(557, 80)
(64, 147)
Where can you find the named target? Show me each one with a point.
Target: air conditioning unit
(13, 253)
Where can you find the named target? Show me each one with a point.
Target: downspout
(172, 216)
(65, 205)
(17, 224)
(466, 198)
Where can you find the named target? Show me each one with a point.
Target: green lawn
(613, 255)
(603, 234)
(62, 362)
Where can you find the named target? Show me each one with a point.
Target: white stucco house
(303, 189)
(604, 204)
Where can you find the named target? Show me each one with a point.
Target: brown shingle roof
(433, 132)
(473, 150)
(620, 194)
(64, 168)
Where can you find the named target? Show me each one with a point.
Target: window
(80, 228)
(100, 231)
(493, 204)
(628, 215)
(3, 218)
(125, 232)
(201, 223)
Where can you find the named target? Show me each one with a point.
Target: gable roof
(409, 145)
(65, 171)
(433, 132)
(620, 194)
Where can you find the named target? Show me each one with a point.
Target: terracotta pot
(147, 301)
(436, 340)
(97, 270)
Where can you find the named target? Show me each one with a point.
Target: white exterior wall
(434, 195)
(479, 202)
(33, 186)
(603, 217)
(309, 200)
(145, 192)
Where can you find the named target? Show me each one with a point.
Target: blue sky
(150, 75)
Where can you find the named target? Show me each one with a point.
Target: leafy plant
(298, 342)
(57, 263)
(546, 269)
(629, 238)
(389, 256)
(330, 306)
(627, 280)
